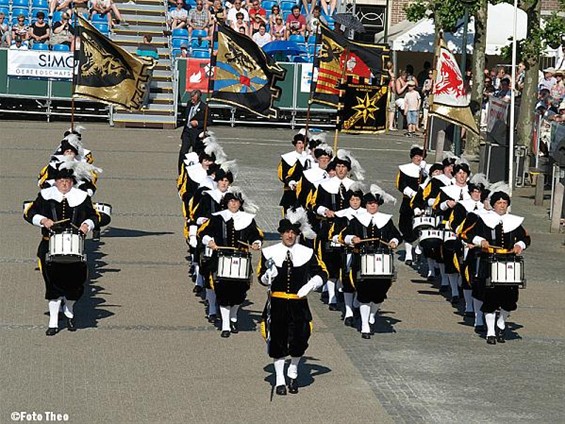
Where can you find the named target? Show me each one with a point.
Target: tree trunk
(479, 48)
(529, 94)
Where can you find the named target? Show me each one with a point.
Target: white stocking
(408, 248)
(490, 318)
(68, 308)
(375, 307)
(54, 306)
(431, 267)
(468, 295)
(501, 323)
(233, 313)
(477, 305)
(356, 302)
(211, 298)
(225, 313)
(293, 367)
(365, 310)
(348, 300)
(279, 372)
(453, 278)
(331, 291)
(444, 279)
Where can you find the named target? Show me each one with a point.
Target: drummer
(58, 208)
(233, 230)
(449, 195)
(408, 179)
(312, 177)
(330, 197)
(291, 271)
(501, 233)
(342, 220)
(371, 231)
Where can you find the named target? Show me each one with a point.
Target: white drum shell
(66, 247)
(423, 222)
(376, 265)
(234, 267)
(104, 208)
(429, 234)
(506, 272)
(449, 235)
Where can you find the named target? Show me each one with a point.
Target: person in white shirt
(262, 37)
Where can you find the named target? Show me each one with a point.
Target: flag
(449, 98)
(197, 74)
(244, 75)
(360, 61)
(108, 73)
(364, 107)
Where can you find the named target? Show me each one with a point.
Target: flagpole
(342, 82)
(316, 36)
(210, 76)
(75, 63)
(431, 95)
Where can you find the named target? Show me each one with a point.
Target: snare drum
(431, 238)
(376, 265)
(420, 222)
(331, 246)
(66, 247)
(506, 271)
(234, 265)
(105, 211)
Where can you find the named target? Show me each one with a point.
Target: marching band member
(496, 231)
(449, 195)
(290, 170)
(63, 281)
(291, 271)
(311, 178)
(231, 228)
(372, 230)
(330, 197)
(343, 218)
(408, 179)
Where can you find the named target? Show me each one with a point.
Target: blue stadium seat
(57, 16)
(191, 3)
(103, 28)
(16, 11)
(201, 54)
(177, 41)
(5, 3)
(287, 5)
(6, 12)
(61, 48)
(180, 32)
(199, 33)
(99, 18)
(40, 4)
(297, 38)
(268, 5)
(40, 46)
(200, 44)
(176, 52)
(285, 14)
(20, 3)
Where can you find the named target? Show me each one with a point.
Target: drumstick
(375, 239)
(245, 244)
(61, 221)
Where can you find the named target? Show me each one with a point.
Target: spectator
(328, 6)
(520, 77)
(254, 24)
(275, 11)
(262, 37)
(424, 74)
(177, 17)
(256, 9)
(39, 31)
(500, 75)
(557, 92)
(391, 105)
(198, 18)
(21, 30)
(308, 7)
(217, 12)
(60, 6)
(487, 92)
(548, 79)
(146, 49)
(81, 6)
(18, 44)
(106, 8)
(278, 30)
(313, 24)
(401, 88)
(560, 59)
(240, 25)
(5, 39)
(410, 74)
(237, 8)
(504, 93)
(296, 22)
(183, 50)
(63, 32)
(426, 91)
(412, 103)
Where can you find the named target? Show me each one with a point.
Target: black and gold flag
(244, 75)
(364, 107)
(108, 73)
(336, 53)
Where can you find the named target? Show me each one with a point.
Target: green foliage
(445, 13)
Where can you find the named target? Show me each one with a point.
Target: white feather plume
(230, 166)
(387, 198)
(300, 216)
(211, 146)
(81, 170)
(356, 169)
(357, 186)
(326, 148)
(480, 179)
(247, 204)
(499, 186)
(74, 140)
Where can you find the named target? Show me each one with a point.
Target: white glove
(417, 211)
(192, 241)
(431, 202)
(314, 283)
(270, 274)
(292, 185)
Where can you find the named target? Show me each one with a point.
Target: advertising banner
(40, 64)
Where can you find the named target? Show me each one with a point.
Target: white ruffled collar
(332, 184)
(349, 212)
(74, 197)
(410, 169)
(299, 254)
(509, 222)
(241, 219)
(378, 219)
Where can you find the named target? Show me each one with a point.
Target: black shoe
(292, 386)
(431, 278)
(212, 318)
(479, 329)
(51, 331)
(408, 262)
(280, 390)
(491, 340)
(197, 290)
(225, 334)
(366, 336)
(500, 337)
(234, 328)
(333, 307)
(349, 322)
(324, 297)
(469, 314)
(443, 289)
(71, 326)
(96, 235)
(455, 300)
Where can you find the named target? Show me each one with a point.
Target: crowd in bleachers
(49, 24)
(191, 23)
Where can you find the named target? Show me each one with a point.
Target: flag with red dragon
(450, 100)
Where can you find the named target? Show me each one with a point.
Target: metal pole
(457, 130)
(511, 178)
(385, 38)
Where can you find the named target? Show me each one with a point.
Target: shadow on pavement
(125, 232)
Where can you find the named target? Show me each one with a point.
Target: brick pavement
(145, 354)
